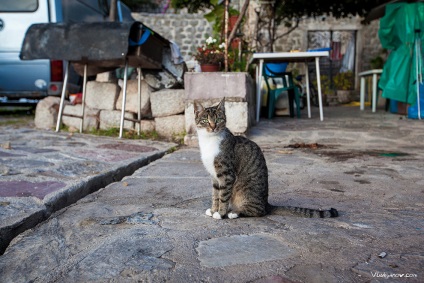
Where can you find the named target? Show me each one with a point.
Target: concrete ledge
(218, 85)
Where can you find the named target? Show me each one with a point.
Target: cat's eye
(219, 120)
(204, 121)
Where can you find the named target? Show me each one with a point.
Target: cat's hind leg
(255, 209)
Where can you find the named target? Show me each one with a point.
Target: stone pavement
(44, 171)
(151, 227)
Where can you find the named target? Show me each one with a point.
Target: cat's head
(212, 119)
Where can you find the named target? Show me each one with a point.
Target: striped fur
(238, 169)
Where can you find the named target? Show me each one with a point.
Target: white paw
(216, 215)
(208, 212)
(232, 215)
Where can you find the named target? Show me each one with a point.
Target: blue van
(36, 79)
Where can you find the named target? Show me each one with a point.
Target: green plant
(378, 61)
(217, 16)
(325, 84)
(237, 60)
(127, 134)
(343, 81)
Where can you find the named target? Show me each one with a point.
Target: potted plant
(210, 55)
(343, 83)
(326, 90)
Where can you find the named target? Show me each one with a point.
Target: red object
(53, 88)
(209, 68)
(76, 98)
(56, 71)
(232, 22)
(235, 43)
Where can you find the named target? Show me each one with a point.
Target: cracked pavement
(151, 226)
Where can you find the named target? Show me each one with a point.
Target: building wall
(190, 30)
(187, 30)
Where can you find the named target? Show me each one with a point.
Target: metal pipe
(124, 99)
(62, 98)
(84, 87)
(139, 101)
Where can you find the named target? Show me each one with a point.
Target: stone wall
(161, 111)
(187, 30)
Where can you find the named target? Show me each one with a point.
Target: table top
(290, 56)
(370, 72)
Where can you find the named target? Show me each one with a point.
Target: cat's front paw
(232, 215)
(208, 212)
(216, 215)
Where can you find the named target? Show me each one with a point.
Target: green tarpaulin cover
(401, 29)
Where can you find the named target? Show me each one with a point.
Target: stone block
(147, 125)
(191, 140)
(202, 86)
(91, 117)
(237, 114)
(112, 119)
(131, 103)
(106, 77)
(101, 95)
(46, 112)
(190, 125)
(167, 102)
(170, 125)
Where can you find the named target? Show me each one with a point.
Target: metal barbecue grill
(94, 48)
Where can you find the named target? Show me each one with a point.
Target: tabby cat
(238, 169)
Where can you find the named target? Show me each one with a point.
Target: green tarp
(400, 30)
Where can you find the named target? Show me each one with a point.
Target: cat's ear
(198, 108)
(221, 105)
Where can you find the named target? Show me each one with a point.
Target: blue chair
(278, 70)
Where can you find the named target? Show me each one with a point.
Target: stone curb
(67, 196)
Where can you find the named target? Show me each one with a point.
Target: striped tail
(301, 211)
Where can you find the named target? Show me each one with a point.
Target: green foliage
(378, 61)
(127, 134)
(237, 61)
(285, 10)
(343, 81)
(217, 16)
(325, 85)
(193, 6)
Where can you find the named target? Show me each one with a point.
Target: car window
(18, 6)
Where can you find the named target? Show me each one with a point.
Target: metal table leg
(124, 99)
(62, 98)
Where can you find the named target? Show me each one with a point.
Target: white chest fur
(209, 149)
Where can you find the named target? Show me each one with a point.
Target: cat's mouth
(215, 130)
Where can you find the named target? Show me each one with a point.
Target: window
(18, 6)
